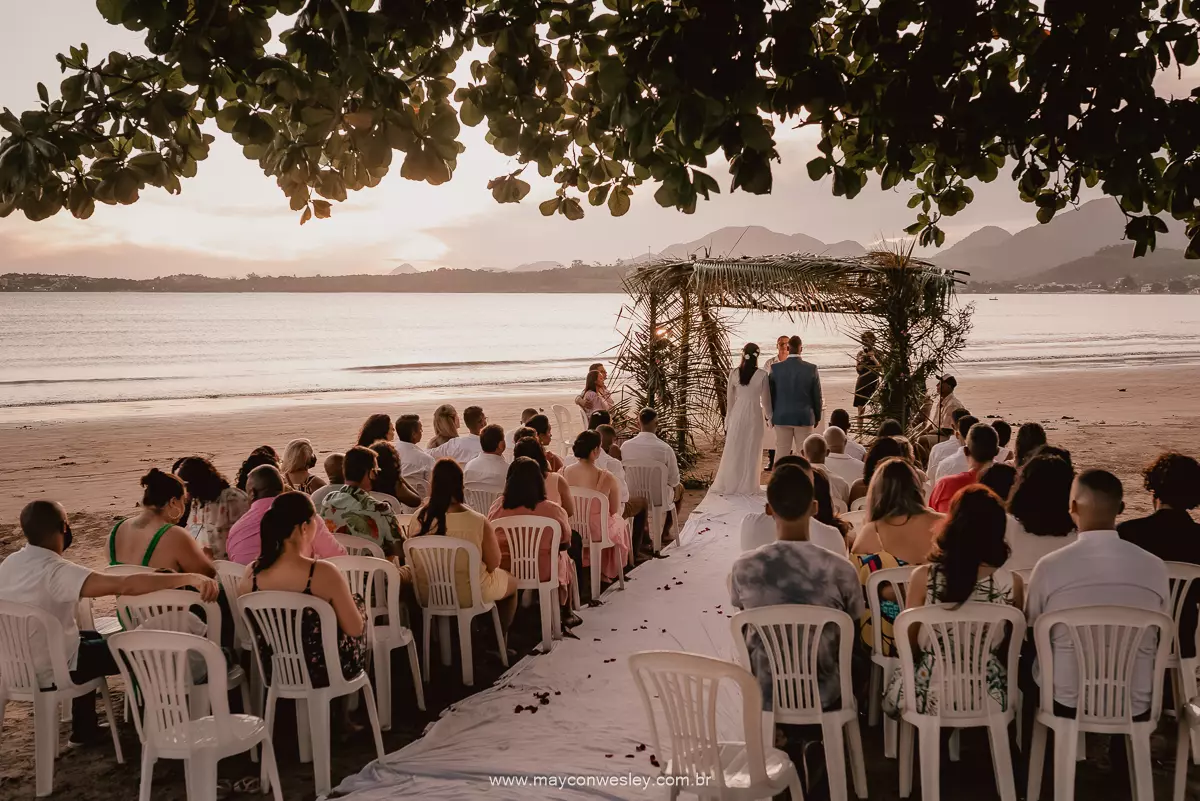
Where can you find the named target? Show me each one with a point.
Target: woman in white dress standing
(748, 406)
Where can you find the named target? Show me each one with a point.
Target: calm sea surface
(89, 348)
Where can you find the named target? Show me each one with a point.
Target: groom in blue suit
(795, 400)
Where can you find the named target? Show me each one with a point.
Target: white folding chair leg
(890, 730)
(428, 624)
(1140, 767)
(1190, 690)
(45, 737)
(500, 636)
(200, 773)
(1002, 764)
(318, 727)
(148, 761)
(464, 644)
(858, 764)
(269, 775)
(873, 695)
(547, 601)
(835, 758)
(906, 759)
(1065, 750)
(1182, 751)
(369, 697)
(1037, 762)
(594, 566)
(383, 684)
(931, 758)
(415, 665)
(304, 737)
(955, 745)
(111, 717)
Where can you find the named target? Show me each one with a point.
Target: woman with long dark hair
(1030, 437)
(263, 454)
(595, 396)
(747, 408)
(389, 479)
(376, 427)
(557, 489)
(216, 506)
(287, 532)
(965, 565)
(446, 513)
(1039, 510)
(881, 449)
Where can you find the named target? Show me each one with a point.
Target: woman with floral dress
(965, 565)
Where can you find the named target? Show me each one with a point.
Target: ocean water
(73, 348)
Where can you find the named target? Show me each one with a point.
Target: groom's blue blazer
(795, 393)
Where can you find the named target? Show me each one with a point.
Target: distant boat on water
(993, 298)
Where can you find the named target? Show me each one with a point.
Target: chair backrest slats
(590, 506)
(277, 617)
(895, 577)
(359, 546)
(19, 623)
(434, 558)
(524, 535)
(480, 498)
(647, 480)
(1183, 578)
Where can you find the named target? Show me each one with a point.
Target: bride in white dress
(748, 406)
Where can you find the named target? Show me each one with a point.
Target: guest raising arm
(216, 506)
(298, 459)
(152, 538)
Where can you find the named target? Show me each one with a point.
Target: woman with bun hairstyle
(152, 537)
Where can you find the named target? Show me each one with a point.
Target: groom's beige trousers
(790, 439)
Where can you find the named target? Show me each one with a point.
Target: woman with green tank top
(152, 538)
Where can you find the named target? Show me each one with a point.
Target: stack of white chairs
(681, 689)
(791, 637)
(158, 664)
(961, 640)
(596, 541)
(19, 682)
(884, 664)
(525, 535)
(649, 480)
(277, 618)
(378, 582)
(433, 558)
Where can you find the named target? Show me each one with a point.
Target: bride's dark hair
(749, 363)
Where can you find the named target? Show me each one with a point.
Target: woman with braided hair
(748, 406)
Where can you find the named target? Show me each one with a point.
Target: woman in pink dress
(525, 494)
(584, 474)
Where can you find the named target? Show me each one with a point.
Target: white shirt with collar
(415, 461)
(845, 467)
(758, 529)
(854, 450)
(486, 468)
(952, 465)
(41, 577)
(940, 451)
(838, 486)
(646, 447)
(461, 449)
(1098, 569)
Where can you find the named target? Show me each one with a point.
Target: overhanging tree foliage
(605, 97)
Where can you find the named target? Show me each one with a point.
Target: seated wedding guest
(333, 469)
(1039, 510)
(1099, 569)
(285, 564)
(586, 475)
(540, 424)
(1000, 479)
(955, 462)
(446, 513)
(152, 537)
(376, 427)
(38, 575)
(981, 451)
(890, 428)
(263, 454)
(216, 506)
(647, 446)
(885, 448)
(445, 425)
(1030, 437)
(557, 489)
(633, 507)
(599, 418)
(793, 570)
(524, 432)
(389, 479)
(840, 418)
(489, 469)
(464, 447)
(298, 459)
(837, 462)
(758, 528)
(525, 494)
(1054, 450)
(526, 416)
(1170, 533)
(264, 485)
(966, 565)
(352, 510)
(595, 396)
(1003, 436)
(947, 447)
(816, 450)
(416, 463)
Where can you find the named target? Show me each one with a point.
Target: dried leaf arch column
(675, 355)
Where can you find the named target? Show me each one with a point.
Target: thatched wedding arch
(675, 356)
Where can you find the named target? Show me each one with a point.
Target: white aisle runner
(593, 722)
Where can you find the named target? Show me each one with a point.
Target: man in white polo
(648, 447)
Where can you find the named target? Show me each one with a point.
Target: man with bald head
(837, 463)
(816, 450)
(1098, 569)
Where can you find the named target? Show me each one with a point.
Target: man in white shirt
(38, 575)
(511, 439)
(841, 419)
(955, 461)
(816, 450)
(647, 447)
(940, 412)
(1098, 569)
(489, 469)
(415, 462)
(837, 463)
(943, 449)
(464, 447)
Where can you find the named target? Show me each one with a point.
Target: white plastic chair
(359, 546)
(596, 541)
(319, 494)
(230, 575)
(19, 682)
(565, 428)
(405, 522)
(170, 606)
(157, 663)
(276, 617)
(649, 480)
(961, 640)
(391, 500)
(790, 635)
(525, 534)
(434, 557)
(1182, 577)
(686, 687)
(1189, 724)
(855, 519)
(378, 581)
(1106, 641)
(859, 505)
(480, 497)
(883, 664)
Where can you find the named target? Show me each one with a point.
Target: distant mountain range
(752, 240)
(404, 269)
(1111, 264)
(536, 267)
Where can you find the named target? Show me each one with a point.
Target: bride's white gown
(747, 408)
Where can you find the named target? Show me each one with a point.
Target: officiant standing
(795, 400)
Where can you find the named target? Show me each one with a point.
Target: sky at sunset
(231, 218)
